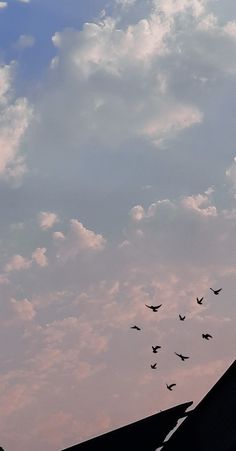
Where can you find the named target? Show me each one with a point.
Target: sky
(117, 189)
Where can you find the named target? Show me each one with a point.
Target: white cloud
(39, 256)
(15, 116)
(47, 219)
(172, 7)
(137, 213)
(3, 5)
(111, 83)
(230, 29)
(77, 240)
(126, 4)
(199, 204)
(17, 263)
(25, 41)
(208, 22)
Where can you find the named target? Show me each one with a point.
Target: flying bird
(170, 387)
(135, 327)
(154, 366)
(199, 301)
(183, 357)
(155, 348)
(206, 336)
(216, 291)
(182, 318)
(154, 308)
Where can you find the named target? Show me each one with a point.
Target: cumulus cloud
(15, 115)
(39, 256)
(77, 240)
(137, 213)
(115, 87)
(47, 219)
(199, 204)
(17, 263)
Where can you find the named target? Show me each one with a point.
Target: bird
(216, 291)
(135, 327)
(154, 308)
(199, 301)
(155, 348)
(182, 318)
(154, 366)
(170, 387)
(183, 358)
(206, 336)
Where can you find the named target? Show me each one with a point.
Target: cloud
(17, 263)
(116, 86)
(15, 115)
(39, 256)
(134, 101)
(24, 309)
(77, 240)
(25, 41)
(3, 5)
(126, 4)
(137, 213)
(199, 204)
(231, 174)
(47, 220)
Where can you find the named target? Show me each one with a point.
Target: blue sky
(40, 19)
(117, 189)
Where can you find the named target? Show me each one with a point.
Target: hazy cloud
(47, 219)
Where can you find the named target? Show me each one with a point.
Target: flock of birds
(155, 349)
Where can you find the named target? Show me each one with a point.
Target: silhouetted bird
(132, 327)
(183, 358)
(170, 387)
(155, 348)
(206, 336)
(154, 307)
(182, 318)
(154, 366)
(199, 301)
(216, 291)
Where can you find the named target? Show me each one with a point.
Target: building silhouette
(210, 426)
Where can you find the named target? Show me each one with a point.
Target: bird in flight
(154, 366)
(170, 387)
(216, 291)
(199, 301)
(182, 318)
(155, 348)
(183, 357)
(206, 336)
(135, 327)
(154, 308)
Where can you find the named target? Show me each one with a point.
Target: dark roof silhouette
(211, 425)
(146, 434)
(208, 427)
